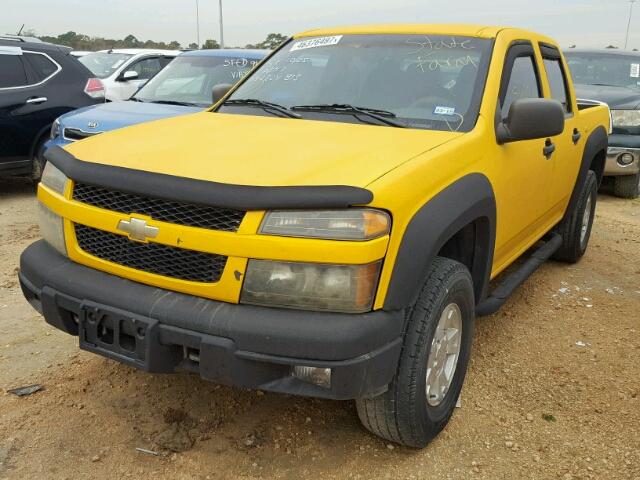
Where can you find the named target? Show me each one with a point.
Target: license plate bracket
(117, 334)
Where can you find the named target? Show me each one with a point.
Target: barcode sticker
(635, 70)
(316, 42)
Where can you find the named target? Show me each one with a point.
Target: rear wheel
(433, 363)
(627, 186)
(576, 228)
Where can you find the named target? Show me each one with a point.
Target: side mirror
(220, 91)
(531, 118)
(129, 75)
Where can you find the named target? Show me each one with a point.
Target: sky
(585, 23)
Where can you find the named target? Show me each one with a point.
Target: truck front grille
(151, 257)
(187, 214)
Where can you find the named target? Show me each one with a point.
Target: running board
(500, 295)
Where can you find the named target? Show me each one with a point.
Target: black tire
(38, 161)
(627, 186)
(402, 414)
(574, 243)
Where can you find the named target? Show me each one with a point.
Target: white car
(124, 70)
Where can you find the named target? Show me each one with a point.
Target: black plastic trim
(467, 200)
(597, 142)
(182, 189)
(270, 331)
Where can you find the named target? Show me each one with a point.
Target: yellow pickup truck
(334, 224)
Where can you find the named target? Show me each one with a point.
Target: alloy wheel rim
(586, 217)
(444, 354)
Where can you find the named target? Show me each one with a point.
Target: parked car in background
(613, 77)
(38, 83)
(124, 71)
(184, 86)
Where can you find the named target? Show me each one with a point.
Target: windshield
(421, 81)
(190, 79)
(103, 64)
(602, 69)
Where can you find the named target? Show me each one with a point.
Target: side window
(523, 83)
(557, 82)
(146, 68)
(164, 61)
(42, 66)
(12, 72)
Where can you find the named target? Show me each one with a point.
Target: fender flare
(469, 199)
(598, 141)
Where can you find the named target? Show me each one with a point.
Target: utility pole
(222, 26)
(198, 22)
(626, 40)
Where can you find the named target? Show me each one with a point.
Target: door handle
(36, 100)
(549, 148)
(576, 136)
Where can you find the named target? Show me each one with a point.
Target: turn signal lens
(349, 224)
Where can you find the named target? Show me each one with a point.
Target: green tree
(175, 45)
(193, 46)
(211, 44)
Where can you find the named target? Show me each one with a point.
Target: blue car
(184, 86)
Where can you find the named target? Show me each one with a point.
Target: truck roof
(406, 28)
(468, 30)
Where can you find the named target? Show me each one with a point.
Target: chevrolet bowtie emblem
(138, 229)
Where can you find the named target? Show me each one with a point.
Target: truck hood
(620, 98)
(109, 116)
(259, 150)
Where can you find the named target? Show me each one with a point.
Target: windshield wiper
(383, 116)
(134, 99)
(175, 102)
(268, 106)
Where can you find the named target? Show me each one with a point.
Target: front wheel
(433, 363)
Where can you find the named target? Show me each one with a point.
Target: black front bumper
(162, 331)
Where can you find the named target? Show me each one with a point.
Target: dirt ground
(553, 390)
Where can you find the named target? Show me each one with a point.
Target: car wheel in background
(38, 161)
(433, 363)
(575, 229)
(627, 186)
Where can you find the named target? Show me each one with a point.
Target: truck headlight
(53, 178)
(625, 118)
(311, 286)
(52, 228)
(55, 129)
(347, 224)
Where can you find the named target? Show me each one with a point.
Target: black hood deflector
(182, 189)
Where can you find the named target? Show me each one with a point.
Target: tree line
(80, 41)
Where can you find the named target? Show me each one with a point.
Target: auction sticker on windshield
(635, 70)
(316, 42)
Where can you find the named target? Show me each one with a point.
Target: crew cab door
(526, 172)
(570, 143)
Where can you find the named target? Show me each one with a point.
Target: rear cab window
(556, 75)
